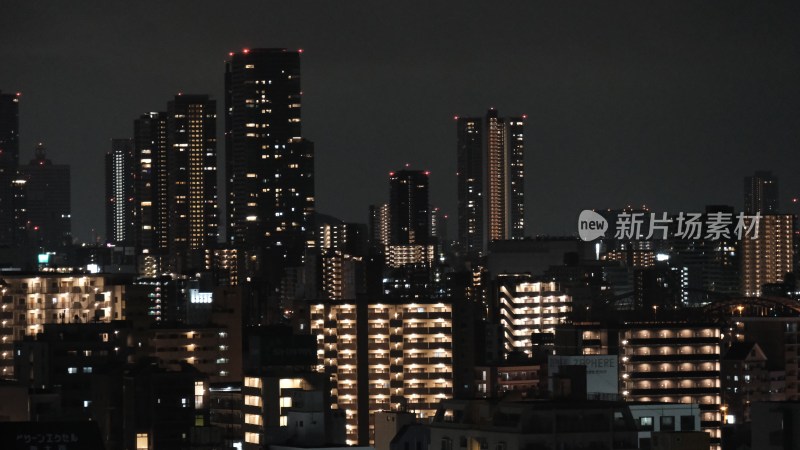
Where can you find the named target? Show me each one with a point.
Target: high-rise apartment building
(152, 218)
(529, 312)
(409, 217)
(192, 179)
(270, 167)
(47, 201)
(379, 227)
(384, 356)
(470, 184)
(409, 210)
(9, 128)
(769, 257)
(674, 363)
(30, 302)
(9, 159)
(761, 193)
(350, 238)
(491, 183)
(121, 193)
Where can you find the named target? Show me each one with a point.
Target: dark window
(644, 443)
(687, 423)
(667, 423)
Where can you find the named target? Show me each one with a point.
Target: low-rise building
(30, 301)
(674, 362)
(486, 424)
(652, 418)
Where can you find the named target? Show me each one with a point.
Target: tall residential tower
(761, 193)
(9, 160)
(491, 183)
(270, 167)
(192, 179)
(470, 184)
(409, 210)
(152, 219)
(47, 201)
(120, 192)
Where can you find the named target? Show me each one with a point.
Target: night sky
(627, 103)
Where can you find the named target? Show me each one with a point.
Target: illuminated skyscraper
(47, 201)
(761, 193)
(491, 184)
(505, 189)
(409, 211)
(768, 258)
(152, 218)
(9, 159)
(9, 128)
(470, 184)
(270, 167)
(120, 192)
(192, 179)
(379, 226)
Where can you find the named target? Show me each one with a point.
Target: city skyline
(342, 225)
(697, 95)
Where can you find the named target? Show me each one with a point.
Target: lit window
(252, 438)
(252, 382)
(142, 441)
(253, 419)
(252, 400)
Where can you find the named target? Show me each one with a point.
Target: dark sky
(628, 103)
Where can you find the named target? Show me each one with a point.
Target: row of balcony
(672, 357)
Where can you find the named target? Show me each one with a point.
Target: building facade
(9, 160)
(674, 363)
(383, 356)
(470, 184)
(528, 310)
(30, 302)
(769, 257)
(761, 193)
(505, 167)
(152, 197)
(481, 424)
(409, 208)
(192, 179)
(47, 201)
(121, 193)
(491, 180)
(269, 166)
